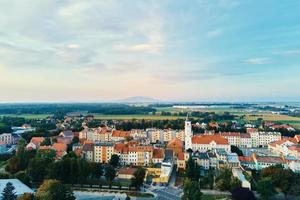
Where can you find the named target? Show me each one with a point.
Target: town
(153, 162)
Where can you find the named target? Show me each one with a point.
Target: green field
(27, 116)
(126, 117)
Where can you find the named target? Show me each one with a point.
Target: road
(168, 193)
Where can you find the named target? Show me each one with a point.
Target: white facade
(188, 135)
(264, 138)
(6, 138)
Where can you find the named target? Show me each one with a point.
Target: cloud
(214, 33)
(258, 61)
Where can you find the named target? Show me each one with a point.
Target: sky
(196, 50)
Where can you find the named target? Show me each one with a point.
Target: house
(182, 157)
(117, 135)
(247, 161)
(6, 138)
(267, 161)
(205, 143)
(101, 134)
(103, 151)
(202, 159)
(126, 173)
(176, 145)
(60, 149)
(246, 141)
(158, 155)
(34, 143)
(122, 151)
(88, 151)
(233, 160)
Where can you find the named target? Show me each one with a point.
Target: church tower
(188, 134)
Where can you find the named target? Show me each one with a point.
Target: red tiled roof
(121, 148)
(59, 147)
(128, 171)
(158, 153)
(140, 148)
(246, 159)
(180, 156)
(175, 143)
(245, 135)
(117, 133)
(37, 140)
(207, 139)
(270, 159)
(232, 134)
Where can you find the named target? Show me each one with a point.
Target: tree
(110, 174)
(46, 142)
(96, 170)
(13, 165)
(26, 196)
(265, 188)
(138, 179)
(127, 198)
(114, 161)
(223, 179)
(281, 178)
(235, 183)
(191, 190)
(235, 149)
(192, 170)
(37, 168)
(8, 192)
(23, 177)
(242, 194)
(54, 190)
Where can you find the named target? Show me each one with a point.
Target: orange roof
(245, 135)
(158, 153)
(180, 156)
(128, 171)
(37, 140)
(121, 148)
(59, 147)
(246, 159)
(207, 139)
(297, 137)
(252, 130)
(175, 143)
(117, 133)
(140, 148)
(230, 134)
(270, 159)
(283, 140)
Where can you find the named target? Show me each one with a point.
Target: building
(121, 150)
(158, 155)
(101, 134)
(246, 141)
(233, 160)
(188, 134)
(264, 138)
(118, 136)
(35, 143)
(267, 161)
(205, 143)
(176, 145)
(202, 160)
(126, 173)
(182, 157)
(6, 138)
(103, 152)
(233, 138)
(88, 151)
(247, 162)
(140, 155)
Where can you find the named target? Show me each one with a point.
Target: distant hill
(139, 99)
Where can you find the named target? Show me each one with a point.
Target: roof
(59, 147)
(229, 134)
(246, 159)
(269, 159)
(67, 133)
(207, 139)
(158, 153)
(245, 135)
(295, 148)
(37, 140)
(175, 143)
(122, 148)
(140, 148)
(117, 133)
(88, 147)
(127, 171)
(20, 188)
(180, 156)
(297, 137)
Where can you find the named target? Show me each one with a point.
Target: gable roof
(207, 139)
(158, 153)
(175, 143)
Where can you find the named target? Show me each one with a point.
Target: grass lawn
(27, 116)
(146, 117)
